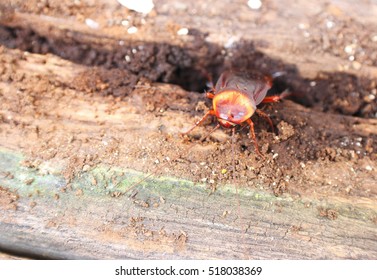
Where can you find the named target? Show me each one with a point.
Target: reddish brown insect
(235, 99)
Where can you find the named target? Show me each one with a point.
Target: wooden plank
(69, 150)
(170, 218)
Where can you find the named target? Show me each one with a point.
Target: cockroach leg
(266, 117)
(276, 98)
(210, 95)
(271, 99)
(252, 135)
(210, 112)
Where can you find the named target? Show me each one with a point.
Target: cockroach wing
(261, 89)
(254, 85)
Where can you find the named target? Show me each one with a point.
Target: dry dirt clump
(8, 199)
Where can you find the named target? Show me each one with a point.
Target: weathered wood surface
(92, 224)
(65, 207)
(47, 222)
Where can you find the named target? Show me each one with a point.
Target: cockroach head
(232, 107)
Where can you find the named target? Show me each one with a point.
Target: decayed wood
(274, 38)
(69, 201)
(43, 216)
(90, 224)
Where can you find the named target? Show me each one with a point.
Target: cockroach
(235, 98)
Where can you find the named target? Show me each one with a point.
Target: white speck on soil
(254, 4)
(91, 23)
(182, 31)
(132, 30)
(140, 6)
